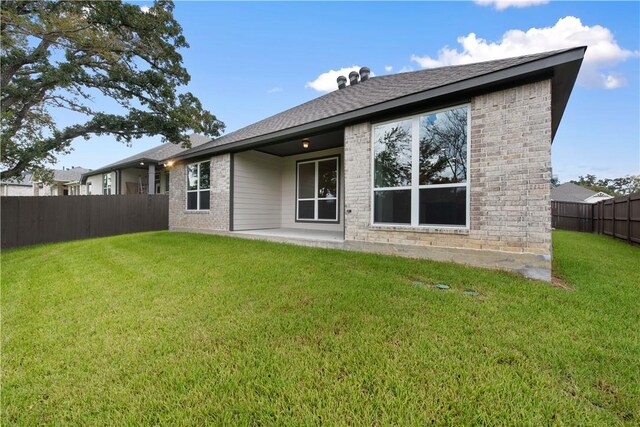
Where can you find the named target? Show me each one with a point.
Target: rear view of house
(452, 163)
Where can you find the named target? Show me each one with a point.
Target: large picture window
(420, 170)
(198, 186)
(317, 190)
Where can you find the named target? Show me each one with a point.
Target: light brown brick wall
(217, 218)
(510, 173)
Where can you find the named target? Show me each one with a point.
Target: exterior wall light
(305, 143)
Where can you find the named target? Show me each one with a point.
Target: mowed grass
(173, 328)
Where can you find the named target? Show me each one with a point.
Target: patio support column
(152, 178)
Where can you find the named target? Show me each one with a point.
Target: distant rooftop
(570, 192)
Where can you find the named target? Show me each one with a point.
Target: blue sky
(251, 60)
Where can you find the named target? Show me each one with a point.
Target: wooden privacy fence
(618, 217)
(33, 220)
(571, 216)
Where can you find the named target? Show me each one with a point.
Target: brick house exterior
(251, 184)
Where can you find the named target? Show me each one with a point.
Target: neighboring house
(450, 163)
(570, 192)
(66, 182)
(133, 174)
(17, 187)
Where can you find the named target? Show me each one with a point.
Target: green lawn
(176, 328)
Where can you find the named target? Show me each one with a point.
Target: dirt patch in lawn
(558, 282)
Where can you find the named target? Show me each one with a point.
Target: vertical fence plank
(33, 220)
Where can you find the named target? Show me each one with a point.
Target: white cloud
(388, 68)
(275, 89)
(505, 4)
(145, 9)
(326, 82)
(613, 81)
(603, 51)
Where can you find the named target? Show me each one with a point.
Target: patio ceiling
(319, 142)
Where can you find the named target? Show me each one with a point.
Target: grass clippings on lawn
(172, 328)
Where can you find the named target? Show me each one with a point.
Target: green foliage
(443, 148)
(184, 329)
(62, 54)
(614, 187)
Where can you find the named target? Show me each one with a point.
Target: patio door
(317, 184)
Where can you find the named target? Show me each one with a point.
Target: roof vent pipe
(364, 74)
(342, 82)
(353, 78)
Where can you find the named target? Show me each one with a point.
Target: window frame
(415, 186)
(315, 199)
(106, 184)
(197, 190)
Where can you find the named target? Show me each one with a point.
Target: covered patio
(291, 190)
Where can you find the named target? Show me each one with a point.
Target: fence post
(629, 218)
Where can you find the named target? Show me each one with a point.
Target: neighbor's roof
(25, 180)
(383, 93)
(155, 154)
(570, 192)
(69, 175)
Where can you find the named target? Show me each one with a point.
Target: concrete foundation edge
(532, 266)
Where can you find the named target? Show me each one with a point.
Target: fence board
(33, 220)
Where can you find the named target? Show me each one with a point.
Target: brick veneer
(217, 218)
(510, 173)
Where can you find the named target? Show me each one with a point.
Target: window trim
(197, 190)
(316, 160)
(415, 172)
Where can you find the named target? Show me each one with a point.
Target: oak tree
(74, 56)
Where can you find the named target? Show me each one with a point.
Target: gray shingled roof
(159, 153)
(365, 94)
(570, 192)
(25, 179)
(69, 175)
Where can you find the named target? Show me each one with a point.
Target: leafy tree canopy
(64, 54)
(614, 187)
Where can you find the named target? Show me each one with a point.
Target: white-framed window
(198, 186)
(88, 188)
(317, 184)
(420, 174)
(106, 183)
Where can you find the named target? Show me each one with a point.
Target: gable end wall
(510, 175)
